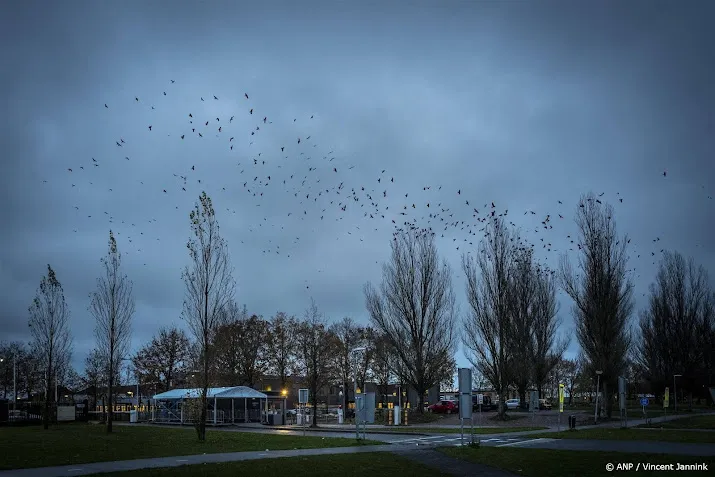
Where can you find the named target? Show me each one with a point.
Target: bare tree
(253, 361)
(522, 299)
(488, 327)
(572, 370)
(209, 289)
(349, 336)
(602, 293)
(415, 310)
(95, 374)
(680, 303)
(51, 339)
(548, 350)
(228, 345)
(112, 306)
(164, 357)
(316, 346)
(282, 346)
(382, 365)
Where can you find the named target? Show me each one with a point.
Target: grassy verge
(344, 465)
(562, 463)
(453, 430)
(693, 422)
(619, 434)
(81, 443)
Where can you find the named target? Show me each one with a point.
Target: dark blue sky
(519, 103)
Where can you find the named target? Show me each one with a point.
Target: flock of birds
(309, 181)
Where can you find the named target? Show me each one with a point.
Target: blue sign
(644, 401)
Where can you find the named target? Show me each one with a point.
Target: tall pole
(675, 394)
(598, 385)
(357, 431)
(14, 383)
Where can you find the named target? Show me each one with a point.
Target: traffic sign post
(303, 401)
(465, 398)
(644, 403)
(561, 402)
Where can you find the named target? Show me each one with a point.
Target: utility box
(133, 416)
(397, 415)
(365, 411)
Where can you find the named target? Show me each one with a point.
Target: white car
(512, 403)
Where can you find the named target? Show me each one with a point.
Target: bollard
(389, 417)
(405, 421)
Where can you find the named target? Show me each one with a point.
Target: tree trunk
(522, 396)
(201, 428)
(607, 401)
(314, 401)
(48, 394)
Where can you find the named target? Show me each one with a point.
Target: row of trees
(510, 330)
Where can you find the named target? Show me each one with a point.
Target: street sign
(534, 401)
(644, 401)
(480, 399)
(465, 393)
(666, 399)
(561, 397)
(302, 396)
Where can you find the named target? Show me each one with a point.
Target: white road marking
(182, 460)
(529, 442)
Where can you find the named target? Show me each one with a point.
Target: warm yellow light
(284, 392)
(268, 388)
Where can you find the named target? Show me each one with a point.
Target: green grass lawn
(467, 430)
(344, 465)
(22, 447)
(630, 434)
(565, 463)
(692, 422)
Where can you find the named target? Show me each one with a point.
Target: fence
(24, 413)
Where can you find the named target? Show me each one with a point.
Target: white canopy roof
(234, 392)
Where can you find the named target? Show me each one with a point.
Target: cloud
(520, 105)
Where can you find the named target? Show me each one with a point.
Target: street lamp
(675, 392)
(14, 382)
(598, 385)
(355, 350)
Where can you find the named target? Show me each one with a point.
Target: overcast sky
(521, 103)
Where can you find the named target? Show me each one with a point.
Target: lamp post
(357, 429)
(675, 392)
(598, 386)
(14, 381)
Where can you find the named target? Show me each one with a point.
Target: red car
(447, 407)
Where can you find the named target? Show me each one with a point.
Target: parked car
(544, 405)
(513, 403)
(445, 406)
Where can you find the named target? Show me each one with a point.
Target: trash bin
(572, 422)
(133, 416)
